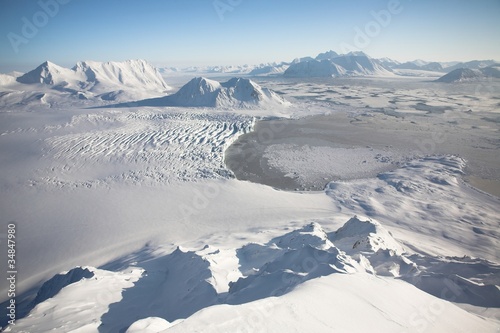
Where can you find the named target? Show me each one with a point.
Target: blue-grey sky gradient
(225, 32)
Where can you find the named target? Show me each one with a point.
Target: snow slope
(339, 303)
(98, 76)
(51, 74)
(466, 74)
(461, 75)
(276, 281)
(235, 93)
(137, 74)
(329, 65)
(88, 80)
(151, 232)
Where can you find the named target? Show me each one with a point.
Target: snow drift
(163, 291)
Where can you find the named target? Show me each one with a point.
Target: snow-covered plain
(149, 231)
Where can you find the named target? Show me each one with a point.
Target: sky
(235, 32)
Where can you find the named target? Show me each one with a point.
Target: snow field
(137, 208)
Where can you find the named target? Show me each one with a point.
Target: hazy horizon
(238, 32)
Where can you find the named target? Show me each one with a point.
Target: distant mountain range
(140, 81)
(332, 64)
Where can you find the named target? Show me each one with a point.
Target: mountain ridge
(203, 92)
(105, 80)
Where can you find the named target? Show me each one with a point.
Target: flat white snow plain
(128, 220)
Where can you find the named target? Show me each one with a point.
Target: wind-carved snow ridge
(292, 259)
(176, 147)
(374, 247)
(174, 286)
(155, 290)
(428, 190)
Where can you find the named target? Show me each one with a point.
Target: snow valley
(291, 197)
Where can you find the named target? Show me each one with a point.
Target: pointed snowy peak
(200, 85)
(59, 281)
(199, 91)
(268, 70)
(310, 235)
(48, 73)
(365, 235)
(461, 75)
(98, 77)
(237, 92)
(245, 92)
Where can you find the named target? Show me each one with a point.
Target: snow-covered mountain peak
(461, 75)
(199, 86)
(126, 80)
(235, 93)
(365, 235)
(309, 235)
(50, 74)
(466, 74)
